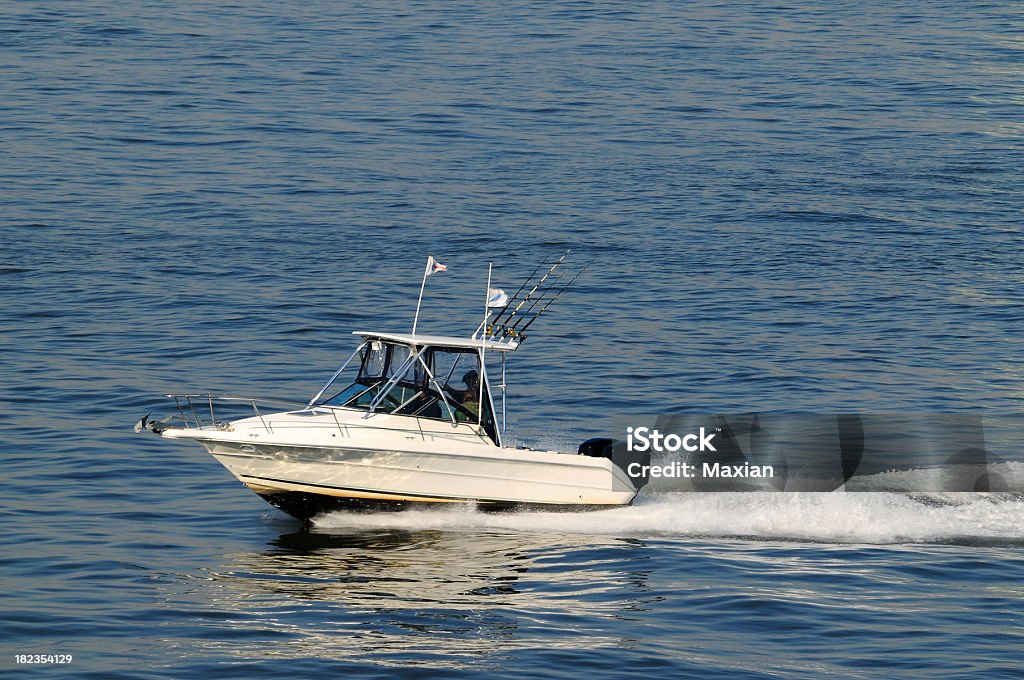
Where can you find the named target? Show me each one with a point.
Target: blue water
(800, 207)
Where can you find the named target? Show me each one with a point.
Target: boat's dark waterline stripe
(303, 505)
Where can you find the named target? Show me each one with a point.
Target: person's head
(471, 378)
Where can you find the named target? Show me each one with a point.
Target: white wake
(878, 518)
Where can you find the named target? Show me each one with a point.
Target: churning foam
(821, 517)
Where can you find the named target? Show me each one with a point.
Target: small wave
(875, 518)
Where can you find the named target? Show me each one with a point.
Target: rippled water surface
(801, 207)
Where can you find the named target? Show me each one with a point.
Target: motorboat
(414, 424)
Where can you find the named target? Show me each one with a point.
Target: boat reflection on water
(448, 599)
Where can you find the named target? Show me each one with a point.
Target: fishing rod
(532, 291)
(521, 288)
(540, 298)
(522, 333)
(509, 329)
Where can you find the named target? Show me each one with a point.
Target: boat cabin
(421, 376)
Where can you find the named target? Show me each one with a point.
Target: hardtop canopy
(452, 341)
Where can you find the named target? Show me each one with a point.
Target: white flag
(496, 297)
(434, 266)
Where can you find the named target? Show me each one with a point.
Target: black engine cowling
(598, 447)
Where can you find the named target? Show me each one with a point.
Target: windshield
(439, 383)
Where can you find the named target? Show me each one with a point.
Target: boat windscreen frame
(426, 386)
(337, 373)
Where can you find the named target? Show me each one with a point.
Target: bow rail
(200, 411)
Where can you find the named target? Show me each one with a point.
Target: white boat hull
(344, 461)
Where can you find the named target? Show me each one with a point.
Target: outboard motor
(598, 447)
